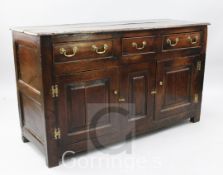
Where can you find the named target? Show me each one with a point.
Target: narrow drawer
(138, 45)
(180, 41)
(77, 51)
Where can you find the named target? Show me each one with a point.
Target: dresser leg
(196, 115)
(195, 119)
(25, 140)
(52, 162)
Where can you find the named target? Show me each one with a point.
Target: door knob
(161, 83)
(121, 100)
(115, 92)
(153, 92)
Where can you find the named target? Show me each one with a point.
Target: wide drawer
(181, 41)
(77, 51)
(138, 45)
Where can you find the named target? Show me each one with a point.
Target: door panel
(137, 82)
(138, 94)
(177, 86)
(78, 95)
(176, 80)
(81, 97)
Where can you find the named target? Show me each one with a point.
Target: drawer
(78, 51)
(181, 41)
(138, 45)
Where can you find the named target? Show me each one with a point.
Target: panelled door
(84, 104)
(137, 81)
(176, 86)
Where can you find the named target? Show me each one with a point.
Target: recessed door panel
(176, 80)
(80, 96)
(84, 105)
(177, 86)
(138, 94)
(137, 82)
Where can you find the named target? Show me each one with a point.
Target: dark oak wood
(186, 40)
(82, 95)
(176, 79)
(138, 48)
(84, 50)
(137, 81)
(142, 76)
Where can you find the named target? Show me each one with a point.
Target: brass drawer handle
(172, 43)
(64, 52)
(97, 49)
(193, 40)
(139, 48)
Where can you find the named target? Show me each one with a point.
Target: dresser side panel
(29, 87)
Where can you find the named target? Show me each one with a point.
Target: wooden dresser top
(106, 27)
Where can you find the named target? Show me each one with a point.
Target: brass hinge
(196, 98)
(54, 91)
(199, 65)
(57, 133)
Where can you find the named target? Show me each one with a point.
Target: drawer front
(181, 41)
(138, 45)
(77, 51)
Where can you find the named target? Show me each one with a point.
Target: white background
(184, 149)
